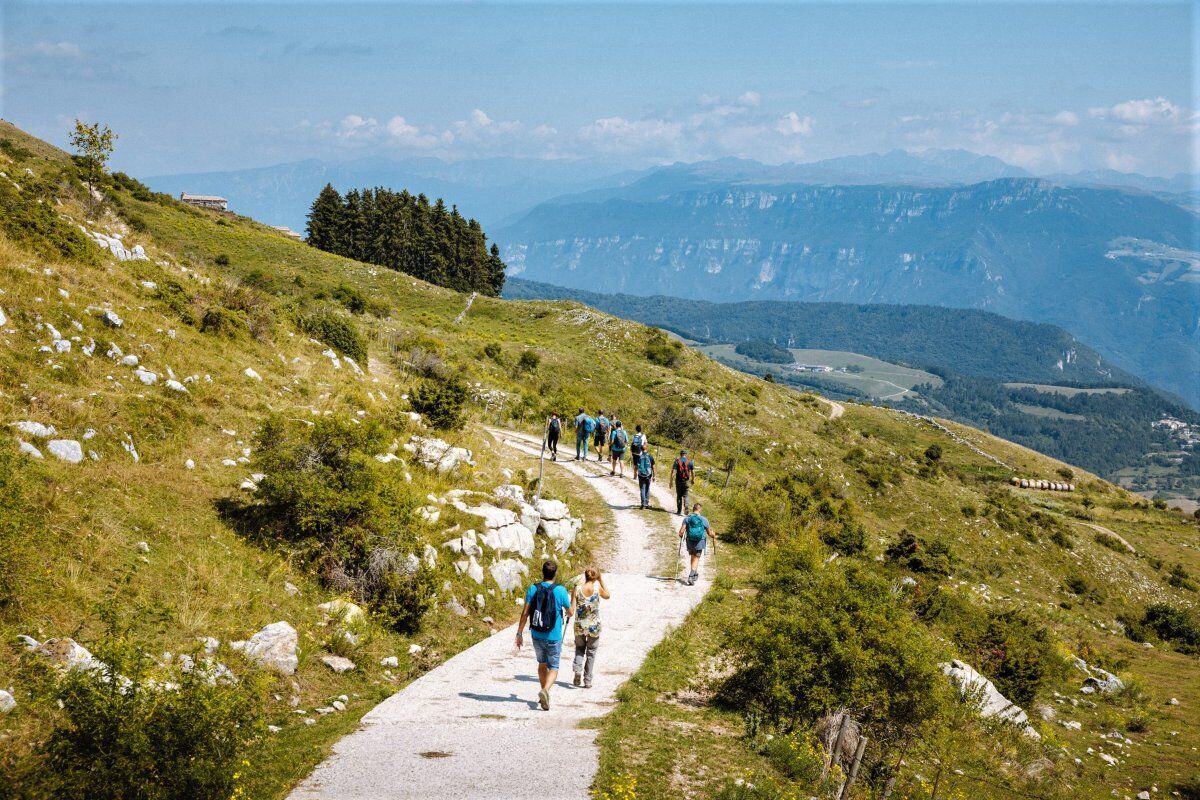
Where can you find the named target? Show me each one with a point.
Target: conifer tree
(325, 220)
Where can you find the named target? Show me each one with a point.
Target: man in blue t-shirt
(585, 426)
(547, 605)
(695, 530)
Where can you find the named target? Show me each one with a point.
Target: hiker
(639, 443)
(618, 441)
(585, 603)
(602, 428)
(585, 426)
(643, 465)
(547, 604)
(695, 530)
(683, 472)
(553, 429)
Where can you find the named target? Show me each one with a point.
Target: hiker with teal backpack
(694, 532)
(585, 426)
(643, 466)
(547, 607)
(602, 428)
(618, 441)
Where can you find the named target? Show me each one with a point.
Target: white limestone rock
(35, 429)
(274, 647)
(467, 544)
(111, 319)
(143, 547)
(129, 361)
(67, 450)
(290, 589)
(493, 516)
(68, 654)
(176, 386)
(552, 509)
(430, 555)
(991, 702)
(436, 454)
(145, 376)
(252, 374)
(341, 609)
(390, 661)
(509, 574)
(7, 702)
(429, 513)
(513, 538)
(338, 664)
(452, 605)
(28, 449)
(561, 531)
(509, 491)
(413, 649)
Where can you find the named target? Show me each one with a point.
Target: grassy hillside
(221, 295)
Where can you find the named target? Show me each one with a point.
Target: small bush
(528, 362)
(1109, 541)
(800, 757)
(336, 331)
(680, 424)
(220, 321)
(256, 309)
(1178, 577)
(221, 260)
(441, 401)
(1060, 538)
(933, 452)
(662, 350)
(123, 737)
(1176, 625)
(405, 599)
(919, 555)
(847, 537)
(175, 297)
(759, 519)
(493, 351)
(350, 297)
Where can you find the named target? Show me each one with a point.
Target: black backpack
(555, 425)
(543, 609)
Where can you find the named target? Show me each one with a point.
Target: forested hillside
(404, 232)
(244, 481)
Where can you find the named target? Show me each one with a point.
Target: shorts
(599, 440)
(695, 546)
(617, 455)
(547, 652)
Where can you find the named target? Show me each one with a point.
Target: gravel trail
(471, 728)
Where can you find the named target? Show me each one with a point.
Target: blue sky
(192, 86)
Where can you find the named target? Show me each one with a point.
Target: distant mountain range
(495, 189)
(1118, 268)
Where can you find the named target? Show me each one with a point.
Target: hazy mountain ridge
(1024, 248)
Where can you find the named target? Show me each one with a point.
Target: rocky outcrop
(438, 455)
(992, 704)
(509, 574)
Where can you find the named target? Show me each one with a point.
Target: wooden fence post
(836, 750)
(853, 773)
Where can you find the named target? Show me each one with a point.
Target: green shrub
(336, 331)
(662, 350)
(122, 736)
(759, 518)
(933, 452)
(221, 321)
(679, 424)
(798, 756)
(175, 297)
(1060, 538)
(528, 362)
(222, 260)
(405, 599)
(493, 351)
(863, 649)
(845, 536)
(350, 297)
(441, 401)
(1176, 625)
(1178, 577)
(915, 553)
(28, 218)
(1109, 541)
(255, 309)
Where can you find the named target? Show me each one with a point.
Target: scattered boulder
(509, 574)
(452, 605)
(274, 647)
(111, 319)
(510, 491)
(430, 555)
(514, 538)
(493, 516)
(413, 649)
(429, 513)
(466, 544)
(344, 610)
(176, 386)
(252, 374)
(28, 449)
(561, 531)
(290, 589)
(143, 547)
(68, 654)
(35, 429)
(145, 376)
(7, 702)
(339, 665)
(390, 661)
(436, 454)
(991, 702)
(67, 450)
(552, 509)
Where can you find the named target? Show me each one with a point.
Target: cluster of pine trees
(406, 232)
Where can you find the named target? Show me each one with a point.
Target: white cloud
(792, 124)
(1159, 111)
(750, 99)
(58, 50)
(866, 102)
(620, 135)
(1066, 118)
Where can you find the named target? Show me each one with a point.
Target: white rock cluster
(114, 245)
(274, 647)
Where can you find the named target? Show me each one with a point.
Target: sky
(210, 86)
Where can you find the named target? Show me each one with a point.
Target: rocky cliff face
(1116, 268)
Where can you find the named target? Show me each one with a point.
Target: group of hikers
(550, 606)
(603, 431)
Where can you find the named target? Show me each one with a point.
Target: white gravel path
(471, 728)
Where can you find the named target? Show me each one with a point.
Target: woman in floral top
(585, 602)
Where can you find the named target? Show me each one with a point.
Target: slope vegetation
(246, 335)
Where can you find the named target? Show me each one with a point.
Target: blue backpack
(645, 465)
(543, 609)
(697, 527)
(618, 440)
(589, 425)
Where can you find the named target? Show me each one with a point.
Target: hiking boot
(587, 685)
(578, 679)
(544, 700)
